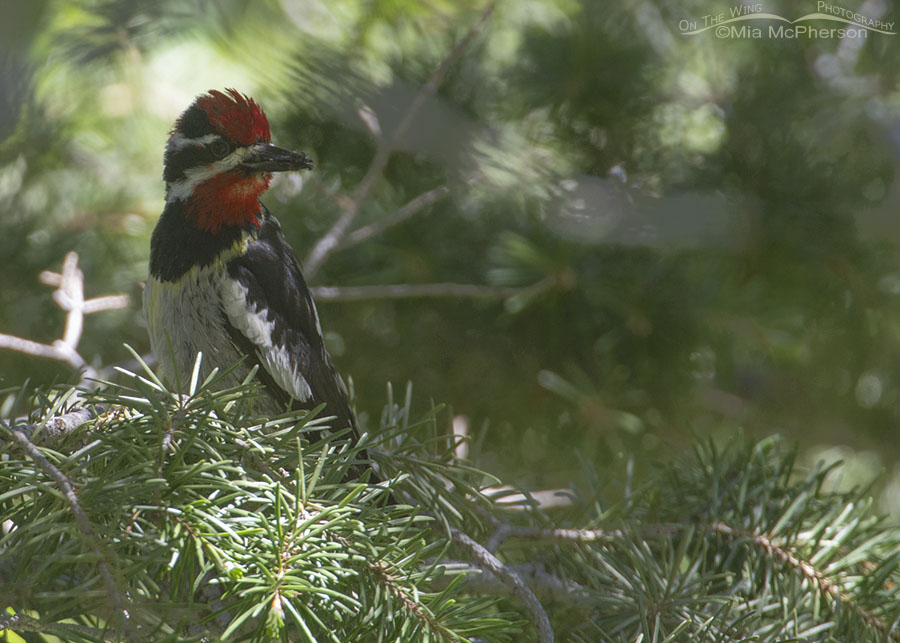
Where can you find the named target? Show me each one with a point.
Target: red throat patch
(229, 199)
(235, 116)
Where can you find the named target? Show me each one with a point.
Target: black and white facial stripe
(208, 163)
(190, 161)
(189, 145)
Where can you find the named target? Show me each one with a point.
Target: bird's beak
(265, 157)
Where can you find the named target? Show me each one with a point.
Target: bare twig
(370, 119)
(333, 238)
(545, 585)
(549, 534)
(512, 498)
(69, 295)
(57, 427)
(504, 530)
(404, 212)
(54, 351)
(460, 436)
(516, 585)
(408, 291)
(106, 302)
(117, 598)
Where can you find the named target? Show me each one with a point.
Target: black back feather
(271, 274)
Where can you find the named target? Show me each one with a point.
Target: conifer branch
(226, 535)
(115, 595)
(412, 606)
(809, 571)
(509, 577)
(25, 623)
(54, 429)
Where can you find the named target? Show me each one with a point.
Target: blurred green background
(712, 221)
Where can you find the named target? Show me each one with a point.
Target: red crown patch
(235, 116)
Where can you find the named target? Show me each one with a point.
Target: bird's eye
(220, 148)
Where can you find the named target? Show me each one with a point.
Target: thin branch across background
(340, 234)
(408, 291)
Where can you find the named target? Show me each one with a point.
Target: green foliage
(197, 519)
(211, 521)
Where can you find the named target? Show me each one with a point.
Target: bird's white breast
(184, 318)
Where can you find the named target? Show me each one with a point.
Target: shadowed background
(665, 235)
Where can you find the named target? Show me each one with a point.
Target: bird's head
(219, 160)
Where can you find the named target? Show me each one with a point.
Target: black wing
(271, 316)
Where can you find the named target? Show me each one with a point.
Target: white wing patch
(252, 323)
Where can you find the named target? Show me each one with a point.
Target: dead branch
(55, 428)
(404, 212)
(409, 291)
(69, 295)
(487, 561)
(546, 586)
